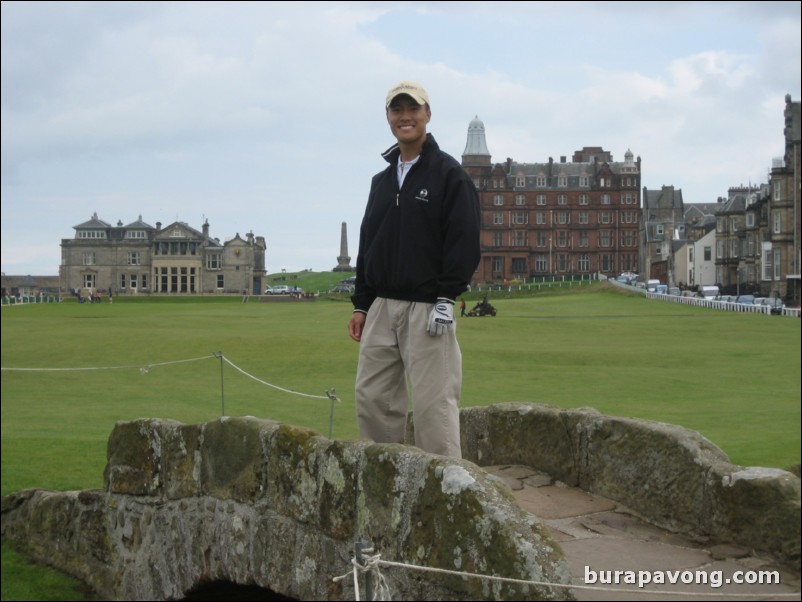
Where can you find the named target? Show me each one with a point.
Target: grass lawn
(733, 377)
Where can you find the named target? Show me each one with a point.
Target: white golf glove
(442, 317)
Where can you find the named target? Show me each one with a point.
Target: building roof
(93, 224)
(667, 197)
(476, 144)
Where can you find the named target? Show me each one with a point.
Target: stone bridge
(256, 502)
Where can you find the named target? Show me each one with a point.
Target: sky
(268, 117)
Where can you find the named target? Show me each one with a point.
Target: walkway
(597, 535)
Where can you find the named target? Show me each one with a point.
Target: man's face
(408, 119)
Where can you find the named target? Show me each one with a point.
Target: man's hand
(441, 320)
(357, 325)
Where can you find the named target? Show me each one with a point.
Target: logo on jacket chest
(423, 195)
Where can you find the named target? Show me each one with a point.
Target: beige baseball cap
(409, 88)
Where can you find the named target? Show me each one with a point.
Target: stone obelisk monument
(343, 261)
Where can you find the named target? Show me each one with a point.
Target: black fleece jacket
(419, 242)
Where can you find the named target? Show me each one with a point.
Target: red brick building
(555, 218)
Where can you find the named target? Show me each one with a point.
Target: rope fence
(376, 587)
(146, 368)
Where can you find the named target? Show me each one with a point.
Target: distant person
(111, 296)
(418, 249)
(462, 308)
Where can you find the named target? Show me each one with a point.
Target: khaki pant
(395, 348)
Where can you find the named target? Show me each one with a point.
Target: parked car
(687, 293)
(709, 292)
(281, 289)
(674, 290)
(775, 303)
(269, 290)
(745, 299)
(344, 288)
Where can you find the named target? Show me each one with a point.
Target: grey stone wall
(257, 502)
(672, 476)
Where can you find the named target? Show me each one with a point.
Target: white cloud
(269, 116)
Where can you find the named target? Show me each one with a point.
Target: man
(418, 249)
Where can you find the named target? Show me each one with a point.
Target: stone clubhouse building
(176, 259)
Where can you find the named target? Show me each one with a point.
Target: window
(176, 234)
(122, 281)
(562, 199)
(604, 217)
(708, 254)
(777, 263)
(583, 181)
(498, 218)
(767, 267)
(583, 199)
(777, 222)
(498, 265)
(604, 238)
(520, 217)
(214, 261)
(542, 239)
(92, 234)
(136, 234)
(659, 230)
(584, 239)
(750, 220)
(540, 217)
(563, 239)
(520, 199)
(144, 281)
(605, 199)
(720, 225)
(541, 199)
(220, 281)
(497, 239)
(562, 180)
(133, 258)
(90, 281)
(583, 263)
(628, 239)
(562, 262)
(734, 248)
(777, 191)
(734, 224)
(133, 281)
(498, 200)
(541, 263)
(540, 181)
(518, 265)
(89, 258)
(520, 181)
(584, 217)
(518, 239)
(719, 250)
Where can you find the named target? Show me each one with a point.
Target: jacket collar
(391, 154)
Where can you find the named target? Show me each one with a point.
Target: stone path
(598, 535)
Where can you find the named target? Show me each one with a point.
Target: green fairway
(733, 377)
